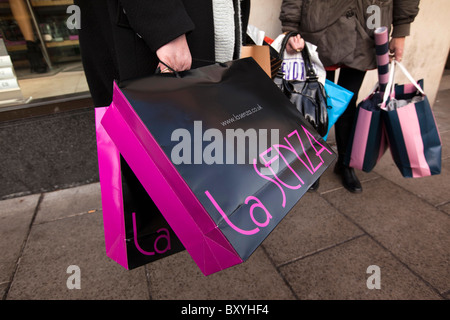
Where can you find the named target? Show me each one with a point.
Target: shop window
(39, 55)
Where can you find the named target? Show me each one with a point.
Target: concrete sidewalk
(321, 250)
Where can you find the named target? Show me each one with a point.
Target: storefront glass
(39, 55)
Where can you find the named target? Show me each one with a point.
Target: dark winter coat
(339, 27)
(119, 38)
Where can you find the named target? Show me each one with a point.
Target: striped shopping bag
(367, 142)
(411, 128)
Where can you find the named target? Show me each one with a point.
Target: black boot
(35, 58)
(349, 178)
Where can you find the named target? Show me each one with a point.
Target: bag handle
(168, 67)
(310, 73)
(390, 85)
(176, 73)
(284, 43)
(410, 78)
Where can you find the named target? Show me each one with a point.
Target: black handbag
(307, 95)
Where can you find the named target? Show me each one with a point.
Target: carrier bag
(221, 151)
(411, 128)
(135, 231)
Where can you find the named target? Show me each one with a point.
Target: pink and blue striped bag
(411, 128)
(368, 139)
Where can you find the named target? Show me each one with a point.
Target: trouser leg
(350, 79)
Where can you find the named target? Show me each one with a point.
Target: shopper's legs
(350, 79)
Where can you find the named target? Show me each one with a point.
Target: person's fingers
(399, 54)
(163, 68)
(396, 48)
(301, 44)
(289, 47)
(176, 61)
(175, 54)
(391, 50)
(295, 44)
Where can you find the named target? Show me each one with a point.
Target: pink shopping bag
(411, 128)
(135, 231)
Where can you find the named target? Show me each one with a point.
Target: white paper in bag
(293, 66)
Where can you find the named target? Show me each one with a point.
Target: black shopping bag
(194, 138)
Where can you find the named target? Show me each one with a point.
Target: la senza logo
(163, 237)
(306, 141)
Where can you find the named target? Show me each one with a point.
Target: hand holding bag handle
(177, 73)
(310, 74)
(308, 96)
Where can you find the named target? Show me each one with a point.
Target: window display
(39, 55)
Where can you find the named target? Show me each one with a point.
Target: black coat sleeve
(157, 22)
